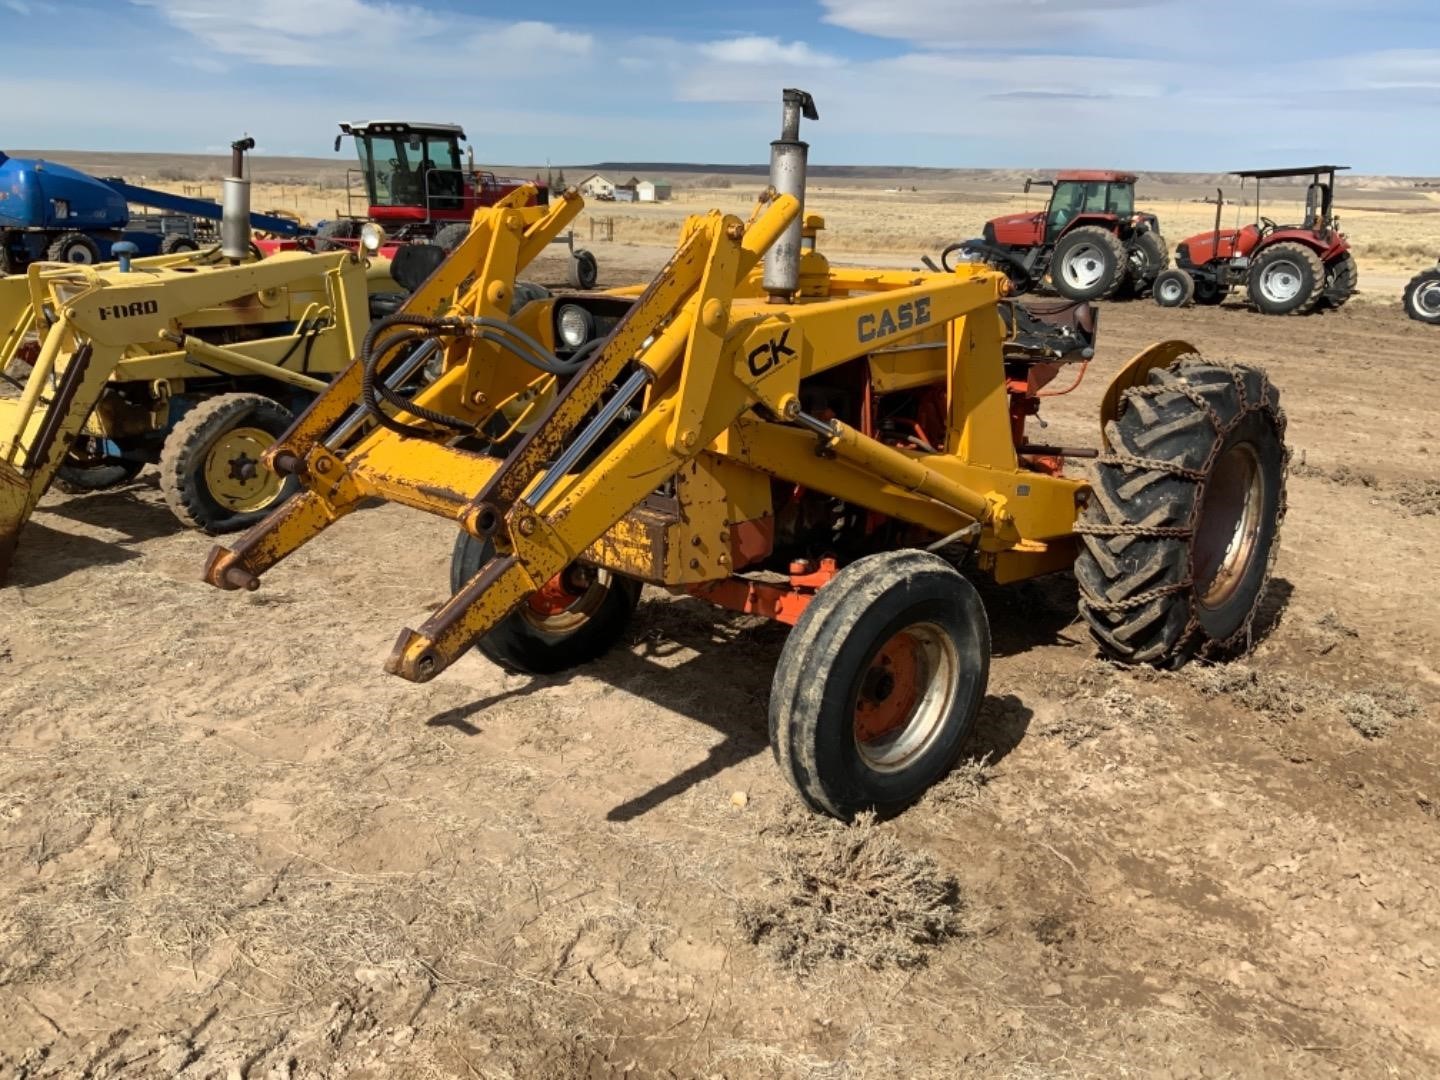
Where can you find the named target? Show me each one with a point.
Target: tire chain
(1198, 477)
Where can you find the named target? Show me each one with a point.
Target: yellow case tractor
(836, 449)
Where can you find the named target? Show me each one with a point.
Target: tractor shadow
(46, 554)
(715, 667)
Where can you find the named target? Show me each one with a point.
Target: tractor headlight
(573, 325)
(372, 237)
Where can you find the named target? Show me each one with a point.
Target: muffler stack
(235, 206)
(788, 157)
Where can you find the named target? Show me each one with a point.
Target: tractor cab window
(1075, 197)
(404, 169)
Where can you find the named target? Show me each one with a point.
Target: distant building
(596, 186)
(652, 190)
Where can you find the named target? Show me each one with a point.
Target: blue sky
(1205, 86)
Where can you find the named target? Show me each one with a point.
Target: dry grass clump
(964, 784)
(1344, 475)
(1372, 711)
(1419, 497)
(849, 894)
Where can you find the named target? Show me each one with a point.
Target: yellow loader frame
(716, 370)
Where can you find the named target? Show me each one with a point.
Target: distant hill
(331, 171)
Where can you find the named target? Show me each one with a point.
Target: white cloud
(754, 49)
(298, 33)
(18, 6)
(962, 22)
(535, 37)
(1394, 69)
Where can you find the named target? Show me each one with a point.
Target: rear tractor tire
(577, 617)
(1286, 279)
(210, 469)
(1342, 279)
(1422, 296)
(879, 683)
(1089, 263)
(1174, 288)
(1148, 258)
(1185, 509)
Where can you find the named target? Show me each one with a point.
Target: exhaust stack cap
(788, 159)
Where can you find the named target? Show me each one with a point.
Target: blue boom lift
(54, 212)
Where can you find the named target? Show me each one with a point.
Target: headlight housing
(372, 237)
(574, 326)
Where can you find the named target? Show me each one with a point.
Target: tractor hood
(1016, 230)
(37, 194)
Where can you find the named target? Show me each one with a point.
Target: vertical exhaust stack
(235, 207)
(788, 157)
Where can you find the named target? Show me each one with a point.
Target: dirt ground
(233, 847)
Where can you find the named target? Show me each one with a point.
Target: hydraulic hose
(379, 343)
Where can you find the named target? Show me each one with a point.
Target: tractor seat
(1044, 331)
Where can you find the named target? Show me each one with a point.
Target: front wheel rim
(1171, 292)
(1228, 532)
(234, 474)
(568, 600)
(1084, 268)
(1281, 281)
(905, 695)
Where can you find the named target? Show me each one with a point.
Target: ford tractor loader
(841, 450)
(194, 362)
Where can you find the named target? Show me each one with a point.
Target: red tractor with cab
(414, 183)
(1088, 239)
(1285, 269)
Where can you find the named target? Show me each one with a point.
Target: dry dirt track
(232, 847)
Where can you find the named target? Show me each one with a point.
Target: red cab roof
(1096, 176)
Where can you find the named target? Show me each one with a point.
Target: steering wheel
(1270, 226)
(995, 257)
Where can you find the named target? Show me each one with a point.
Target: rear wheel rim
(234, 474)
(1228, 532)
(1281, 282)
(908, 690)
(1084, 268)
(1426, 299)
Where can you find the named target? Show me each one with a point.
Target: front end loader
(839, 450)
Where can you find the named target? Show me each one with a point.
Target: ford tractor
(1088, 239)
(1285, 269)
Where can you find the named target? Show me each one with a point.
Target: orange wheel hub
(556, 595)
(889, 690)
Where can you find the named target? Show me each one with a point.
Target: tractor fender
(1327, 249)
(1135, 373)
(1109, 222)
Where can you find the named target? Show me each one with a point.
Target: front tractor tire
(210, 469)
(1174, 288)
(1181, 528)
(1422, 296)
(577, 617)
(1089, 263)
(1286, 279)
(879, 683)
